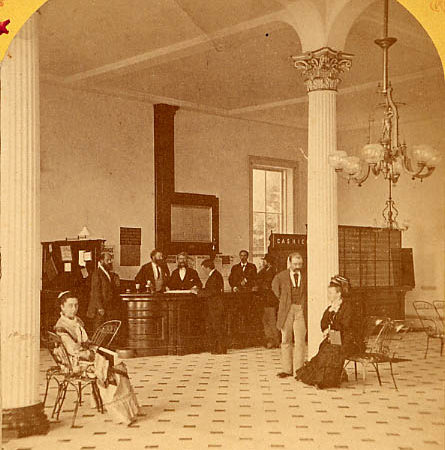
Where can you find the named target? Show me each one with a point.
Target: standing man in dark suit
(216, 324)
(264, 284)
(104, 302)
(156, 272)
(289, 286)
(243, 275)
(184, 277)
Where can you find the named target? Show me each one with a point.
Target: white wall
(96, 167)
(212, 157)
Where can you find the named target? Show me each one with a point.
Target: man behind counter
(156, 272)
(243, 275)
(184, 277)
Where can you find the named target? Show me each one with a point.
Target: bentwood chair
(429, 318)
(67, 376)
(439, 306)
(105, 333)
(382, 337)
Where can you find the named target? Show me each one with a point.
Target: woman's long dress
(325, 369)
(114, 384)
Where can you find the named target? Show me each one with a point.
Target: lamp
(84, 233)
(389, 156)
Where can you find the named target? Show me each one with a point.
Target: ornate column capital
(321, 68)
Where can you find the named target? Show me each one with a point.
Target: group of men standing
(284, 297)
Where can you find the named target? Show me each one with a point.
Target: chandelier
(389, 156)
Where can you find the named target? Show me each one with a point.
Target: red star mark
(3, 25)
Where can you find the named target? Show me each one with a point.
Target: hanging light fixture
(389, 156)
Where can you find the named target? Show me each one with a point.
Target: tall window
(272, 201)
(268, 206)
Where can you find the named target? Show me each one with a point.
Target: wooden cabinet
(58, 277)
(371, 258)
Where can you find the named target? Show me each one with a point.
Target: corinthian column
(20, 235)
(321, 70)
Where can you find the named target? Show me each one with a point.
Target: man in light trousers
(289, 286)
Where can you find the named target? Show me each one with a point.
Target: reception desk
(175, 323)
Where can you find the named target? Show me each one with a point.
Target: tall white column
(321, 70)
(20, 237)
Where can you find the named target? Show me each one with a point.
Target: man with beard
(156, 272)
(184, 278)
(104, 302)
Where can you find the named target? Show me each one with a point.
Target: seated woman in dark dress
(325, 369)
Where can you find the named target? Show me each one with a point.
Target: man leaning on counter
(184, 277)
(155, 273)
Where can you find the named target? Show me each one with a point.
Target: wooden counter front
(175, 324)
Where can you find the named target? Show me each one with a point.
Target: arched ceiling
(230, 57)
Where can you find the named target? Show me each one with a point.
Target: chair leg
(376, 367)
(392, 374)
(363, 376)
(100, 403)
(62, 399)
(80, 393)
(441, 346)
(427, 344)
(58, 397)
(76, 407)
(48, 379)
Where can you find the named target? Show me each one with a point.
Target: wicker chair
(67, 376)
(382, 337)
(432, 325)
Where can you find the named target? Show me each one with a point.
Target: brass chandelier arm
(361, 180)
(419, 173)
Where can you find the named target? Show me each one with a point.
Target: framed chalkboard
(192, 224)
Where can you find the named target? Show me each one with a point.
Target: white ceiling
(230, 57)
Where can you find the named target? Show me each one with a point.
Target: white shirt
(182, 272)
(210, 273)
(243, 266)
(292, 278)
(155, 270)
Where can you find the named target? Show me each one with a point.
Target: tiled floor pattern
(235, 401)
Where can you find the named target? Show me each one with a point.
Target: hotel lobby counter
(176, 323)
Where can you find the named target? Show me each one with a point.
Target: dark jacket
(237, 275)
(214, 285)
(146, 274)
(264, 284)
(191, 279)
(281, 286)
(342, 321)
(104, 293)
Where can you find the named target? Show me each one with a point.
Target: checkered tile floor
(235, 401)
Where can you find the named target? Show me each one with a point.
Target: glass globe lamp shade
(434, 160)
(372, 153)
(352, 165)
(337, 159)
(423, 153)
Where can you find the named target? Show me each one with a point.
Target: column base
(26, 421)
